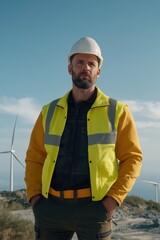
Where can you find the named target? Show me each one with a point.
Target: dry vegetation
(14, 227)
(135, 201)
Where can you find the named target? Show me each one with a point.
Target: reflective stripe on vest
(106, 138)
(48, 138)
(100, 138)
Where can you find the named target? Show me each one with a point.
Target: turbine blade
(5, 152)
(155, 183)
(14, 128)
(18, 160)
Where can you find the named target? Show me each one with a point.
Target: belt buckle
(69, 194)
(75, 194)
(62, 194)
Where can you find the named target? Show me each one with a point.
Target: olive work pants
(59, 219)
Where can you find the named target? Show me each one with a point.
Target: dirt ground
(124, 232)
(121, 232)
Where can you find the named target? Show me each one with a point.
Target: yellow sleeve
(35, 157)
(129, 154)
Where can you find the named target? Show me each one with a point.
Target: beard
(82, 82)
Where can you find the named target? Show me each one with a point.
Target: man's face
(84, 70)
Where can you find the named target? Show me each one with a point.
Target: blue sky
(35, 39)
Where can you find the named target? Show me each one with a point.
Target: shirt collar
(90, 100)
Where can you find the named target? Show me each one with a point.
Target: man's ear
(98, 72)
(70, 69)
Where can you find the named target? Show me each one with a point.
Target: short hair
(71, 59)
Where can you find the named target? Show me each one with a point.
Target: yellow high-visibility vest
(102, 122)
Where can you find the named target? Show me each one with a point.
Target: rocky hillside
(14, 200)
(135, 219)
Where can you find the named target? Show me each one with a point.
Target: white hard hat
(86, 45)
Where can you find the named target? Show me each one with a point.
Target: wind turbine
(12, 156)
(157, 188)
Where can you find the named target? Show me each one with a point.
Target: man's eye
(80, 62)
(92, 63)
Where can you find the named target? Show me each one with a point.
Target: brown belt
(71, 194)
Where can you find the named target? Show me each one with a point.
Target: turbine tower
(157, 189)
(12, 156)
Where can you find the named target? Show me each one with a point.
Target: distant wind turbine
(157, 189)
(12, 156)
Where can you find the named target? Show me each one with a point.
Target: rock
(136, 219)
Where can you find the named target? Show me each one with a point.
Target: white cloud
(134, 105)
(153, 110)
(147, 124)
(150, 109)
(146, 114)
(27, 108)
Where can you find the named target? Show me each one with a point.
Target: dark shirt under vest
(72, 169)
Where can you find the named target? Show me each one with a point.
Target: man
(83, 157)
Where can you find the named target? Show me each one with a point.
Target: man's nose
(86, 66)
